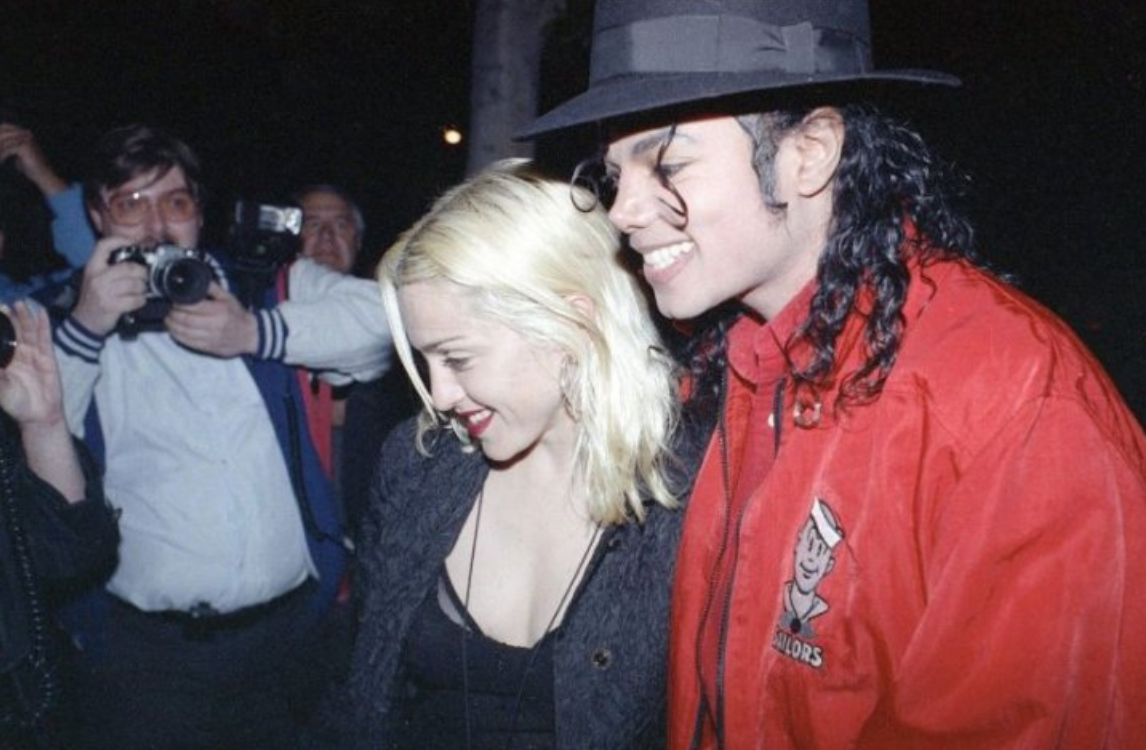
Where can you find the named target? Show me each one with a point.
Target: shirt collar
(756, 348)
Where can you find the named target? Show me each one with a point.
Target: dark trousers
(169, 683)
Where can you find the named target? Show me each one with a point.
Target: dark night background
(277, 93)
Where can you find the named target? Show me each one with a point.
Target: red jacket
(951, 566)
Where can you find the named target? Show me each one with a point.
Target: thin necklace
(535, 648)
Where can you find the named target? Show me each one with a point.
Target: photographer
(231, 546)
(54, 524)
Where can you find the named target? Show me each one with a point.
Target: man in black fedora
(977, 485)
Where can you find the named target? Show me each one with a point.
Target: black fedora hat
(652, 54)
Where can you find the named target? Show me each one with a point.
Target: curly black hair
(894, 200)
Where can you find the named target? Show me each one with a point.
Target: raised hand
(218, 325)
(30, 393)
(109, 290)
(20, 144)
(30, 384)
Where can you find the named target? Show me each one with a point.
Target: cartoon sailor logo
(813, 559)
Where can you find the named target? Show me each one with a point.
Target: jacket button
(602, 658)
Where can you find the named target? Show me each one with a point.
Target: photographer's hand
(218, 325)
(20, 144)
(109, 291)
(30, 393)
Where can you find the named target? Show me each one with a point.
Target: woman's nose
(445, 391)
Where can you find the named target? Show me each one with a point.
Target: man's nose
(635, 205)
(154, 225)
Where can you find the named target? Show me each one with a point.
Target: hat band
(723, 44)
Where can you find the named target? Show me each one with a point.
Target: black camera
(264, 235)
(176, 275)
(262, 239)
(7, 341)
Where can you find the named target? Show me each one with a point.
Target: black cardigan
(44, 544)
(610, 657)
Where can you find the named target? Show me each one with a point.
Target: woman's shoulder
(438, 449)
(415, 496)
(409, 470)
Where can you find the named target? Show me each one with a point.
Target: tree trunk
(508, 40)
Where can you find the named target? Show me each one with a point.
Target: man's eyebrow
(653, 141)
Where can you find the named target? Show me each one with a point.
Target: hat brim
(635, 95)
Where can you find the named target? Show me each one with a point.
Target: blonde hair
(521, 244)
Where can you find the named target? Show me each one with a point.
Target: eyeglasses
(132, 208)
(342, 226)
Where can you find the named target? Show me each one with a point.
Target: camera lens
(184, 281)
(7, 340)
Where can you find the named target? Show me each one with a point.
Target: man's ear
(97, 221)
(819, 143)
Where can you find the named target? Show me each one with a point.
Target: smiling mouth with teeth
(666, 256)
(476, 416)
(476, 421)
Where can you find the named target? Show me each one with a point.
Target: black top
(610, 654)
(509, 692)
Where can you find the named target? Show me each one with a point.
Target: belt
(202, 620)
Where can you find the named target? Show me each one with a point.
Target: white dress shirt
(209, 515)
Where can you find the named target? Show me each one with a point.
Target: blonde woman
(519, 555)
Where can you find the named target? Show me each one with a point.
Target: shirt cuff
(77, 341)
(272, 334)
